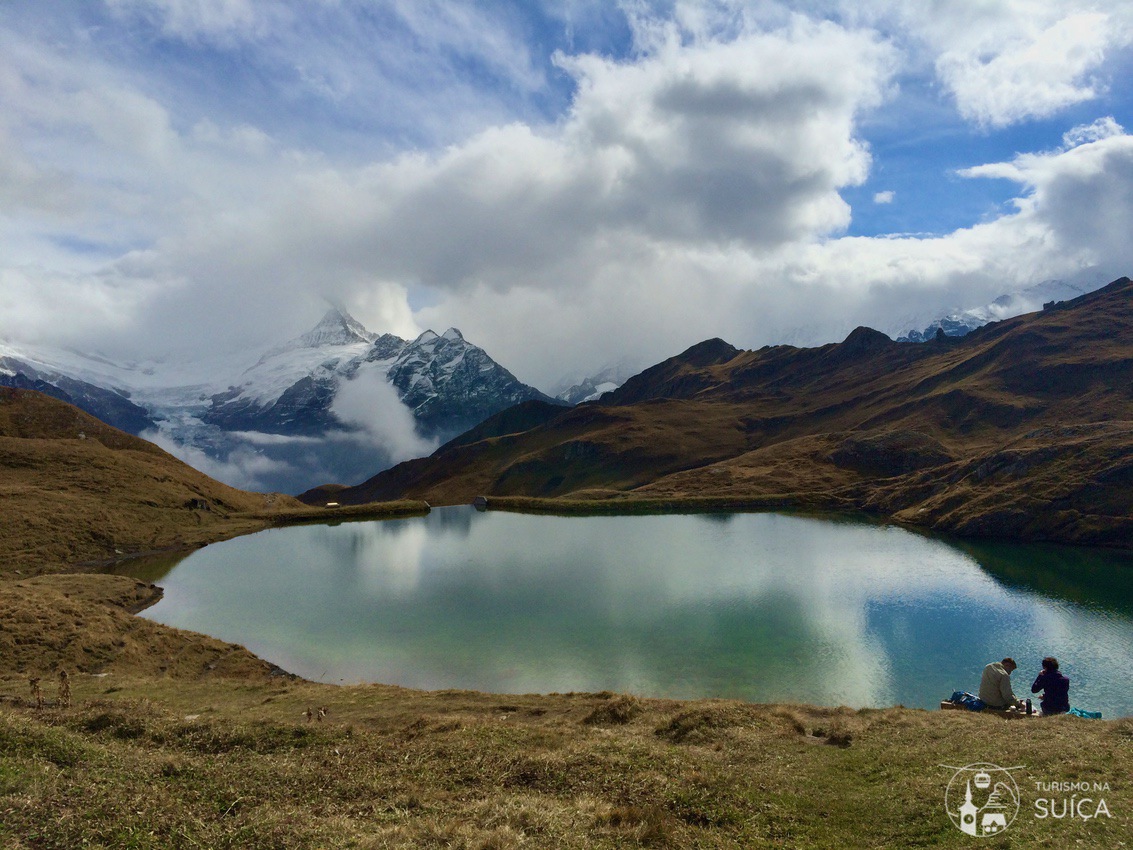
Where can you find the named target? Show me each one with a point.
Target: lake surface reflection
(762, 607)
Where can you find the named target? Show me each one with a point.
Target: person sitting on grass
(1055, 687)
(995, 685)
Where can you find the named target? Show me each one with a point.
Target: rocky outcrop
(452, 385)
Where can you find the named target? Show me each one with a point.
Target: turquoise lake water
(757, 606)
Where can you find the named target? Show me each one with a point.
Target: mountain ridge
(111, 405)
(921, 433)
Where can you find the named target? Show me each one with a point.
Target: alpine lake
(765, 607)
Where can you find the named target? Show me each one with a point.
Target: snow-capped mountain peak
(337, 327)
(431, 337)
(447, 382)
(577, 389)
(332, 348)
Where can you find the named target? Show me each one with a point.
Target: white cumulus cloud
(1008, 61)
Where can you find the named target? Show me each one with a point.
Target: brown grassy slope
(165, 762)
(85, 624)
(75, 493)
(74, 490)
(1020, 429)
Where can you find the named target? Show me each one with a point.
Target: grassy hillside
(1020, 430)
(75, 491)
(164, 738)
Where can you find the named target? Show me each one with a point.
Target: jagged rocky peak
(337, 327)
(431, 340)
(386, 347)
(952, 326)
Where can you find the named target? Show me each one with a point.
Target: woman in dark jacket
(1055, 688)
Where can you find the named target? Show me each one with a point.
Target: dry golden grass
(165, 762)
(85, 624)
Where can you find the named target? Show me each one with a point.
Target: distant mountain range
(318, 409)
(282, 424)
(112, 406)
(1018, 430)
(593, 387)
(1006, 306)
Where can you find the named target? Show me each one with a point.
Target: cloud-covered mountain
(576, 390)
(112, 405)
(1010, 304)
(448, 384)
(323, 406)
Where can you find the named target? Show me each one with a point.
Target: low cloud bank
(369, 403)
(381, 434)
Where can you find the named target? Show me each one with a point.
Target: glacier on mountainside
(273, 425)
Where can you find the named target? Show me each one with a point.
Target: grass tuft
(704, 725)
(615, 711)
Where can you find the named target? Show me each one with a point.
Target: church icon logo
(982, 799)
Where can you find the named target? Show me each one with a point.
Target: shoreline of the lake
(829, 505)
(331, 515)
(378, 555)
(134, 601)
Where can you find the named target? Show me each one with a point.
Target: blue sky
(571, 183)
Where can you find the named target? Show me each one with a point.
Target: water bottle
(1029, 709)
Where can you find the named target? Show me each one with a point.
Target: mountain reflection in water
(763, 607)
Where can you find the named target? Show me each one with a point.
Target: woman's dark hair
(1050, 663)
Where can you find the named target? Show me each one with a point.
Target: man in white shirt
(995, 685)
